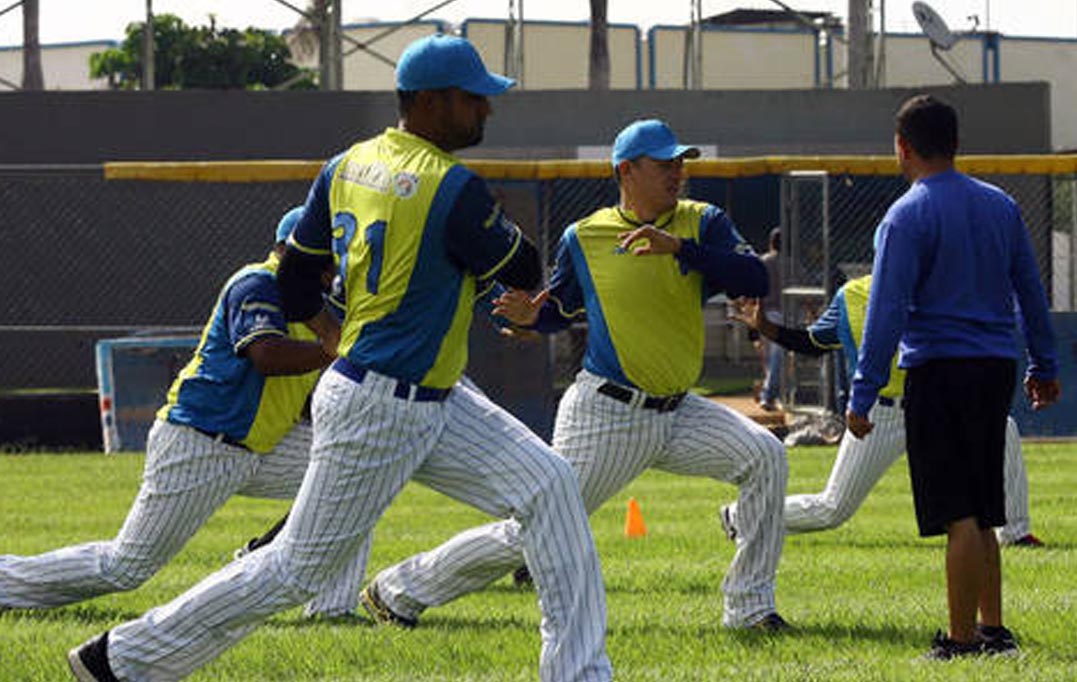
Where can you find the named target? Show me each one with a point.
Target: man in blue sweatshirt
(953, 258)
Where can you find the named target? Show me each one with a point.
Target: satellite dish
(938, 34)
(933, 26)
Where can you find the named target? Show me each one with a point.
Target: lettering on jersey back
(373, 176)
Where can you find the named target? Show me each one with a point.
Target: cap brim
(488, 84)
(675, 151)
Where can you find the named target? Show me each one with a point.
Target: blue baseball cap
(651, 138)
(287, 223)
(443, 61)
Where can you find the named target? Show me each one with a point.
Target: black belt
(405, 390)
(666, 403)
(890, 402)
(221, 438)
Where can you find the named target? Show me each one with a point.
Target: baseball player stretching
(860, 463)
(231, 425)
(412, 230)
(640, 272)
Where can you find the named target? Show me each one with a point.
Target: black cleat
(89, 661)
(997, 640)
(725, 515)
(522, 580)
(945, 649)
(379, 612)
(771, 623)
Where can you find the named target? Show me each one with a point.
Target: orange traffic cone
(634, 526)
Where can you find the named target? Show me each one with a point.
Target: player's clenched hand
(748, 311)
(859, 426)
(519, 307)
(1042, 392)
(656, 241)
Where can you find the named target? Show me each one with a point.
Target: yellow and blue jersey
(842, 326)
(645, 313)
(220, 391)
(410, 230)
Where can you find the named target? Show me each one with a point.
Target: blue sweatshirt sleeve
(727, 262)
(1033, 311)
(894, 275)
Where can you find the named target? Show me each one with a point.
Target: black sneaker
(725, 515)
(945, 649)
(771, 623)
(522, 580)
(379, 612)
(89, 661)
(997, 640)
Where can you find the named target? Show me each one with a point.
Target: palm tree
(304, 40)
(598, 72)
(32, 77)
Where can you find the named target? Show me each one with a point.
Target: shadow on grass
(87, 614)
(830, 633)
(431, 621)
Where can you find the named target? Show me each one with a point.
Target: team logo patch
(405, 185)
(261, 321)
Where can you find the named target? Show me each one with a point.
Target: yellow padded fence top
(285, 171)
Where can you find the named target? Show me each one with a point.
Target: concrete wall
(909, 61)
(556, 53)
(1054, 61)
(736, 58)
(65, 66)
(65, 128)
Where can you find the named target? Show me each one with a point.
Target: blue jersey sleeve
(727, 261)
(566, 296)
(478, 233)
(824, 332)
(313, 233)
(253, 310)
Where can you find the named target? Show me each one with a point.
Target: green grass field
(865, 599)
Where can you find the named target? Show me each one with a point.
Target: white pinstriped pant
(187, 477)
(610, 444)
(860, 464)
(367, 445)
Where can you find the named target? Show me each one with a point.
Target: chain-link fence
(88, 257)
(831, 219)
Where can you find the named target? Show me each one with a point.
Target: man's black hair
(929, 125)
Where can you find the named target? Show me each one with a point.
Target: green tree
(201, 57)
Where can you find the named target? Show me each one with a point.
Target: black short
(955, 428)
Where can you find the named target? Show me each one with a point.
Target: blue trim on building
(76, 43)
(650, 57)
(996, 48)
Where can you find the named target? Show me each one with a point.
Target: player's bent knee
(773, 458)
(833, 517)
(126, 576)
(558, 480)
